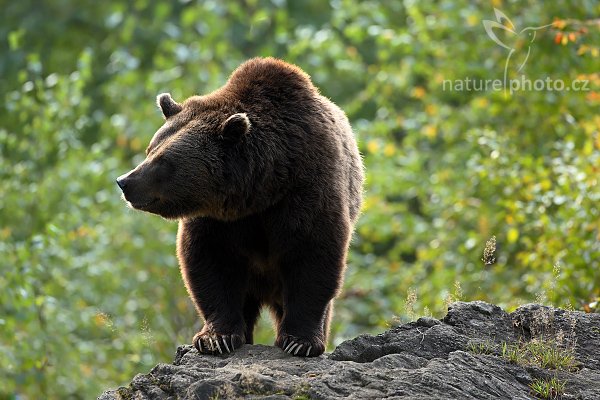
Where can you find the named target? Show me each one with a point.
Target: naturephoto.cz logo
(517, 57)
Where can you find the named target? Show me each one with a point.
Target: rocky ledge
(478, 351)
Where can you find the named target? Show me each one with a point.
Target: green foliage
(512, 353)
(552, 388)
(548, 354)
(482, 347)
(90, 293)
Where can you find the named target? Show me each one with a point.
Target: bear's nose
(122, 181)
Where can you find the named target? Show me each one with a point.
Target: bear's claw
(227, 347)
(297, 346)
(301, 347)
(212, 343)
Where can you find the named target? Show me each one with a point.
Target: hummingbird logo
(514, 37)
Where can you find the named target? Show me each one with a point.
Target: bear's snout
(122, 181)
(130, 186)
(137, 191)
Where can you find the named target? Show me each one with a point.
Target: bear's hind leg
(311, 281)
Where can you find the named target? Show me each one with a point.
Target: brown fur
(266, 179)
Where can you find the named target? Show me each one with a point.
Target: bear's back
(313, 132)
(270, 78)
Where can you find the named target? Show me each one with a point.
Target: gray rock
(426, 359)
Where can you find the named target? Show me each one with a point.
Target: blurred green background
(90, 292)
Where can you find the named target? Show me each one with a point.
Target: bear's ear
(235, 126)
(168, 106)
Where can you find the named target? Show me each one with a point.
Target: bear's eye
(163, 168)
(166, 162)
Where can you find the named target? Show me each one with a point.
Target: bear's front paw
(300, 346)
(209, 342)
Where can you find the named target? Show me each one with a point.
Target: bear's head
(194, 163)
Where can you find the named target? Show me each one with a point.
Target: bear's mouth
(141, 206)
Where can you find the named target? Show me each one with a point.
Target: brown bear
(266, 179)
